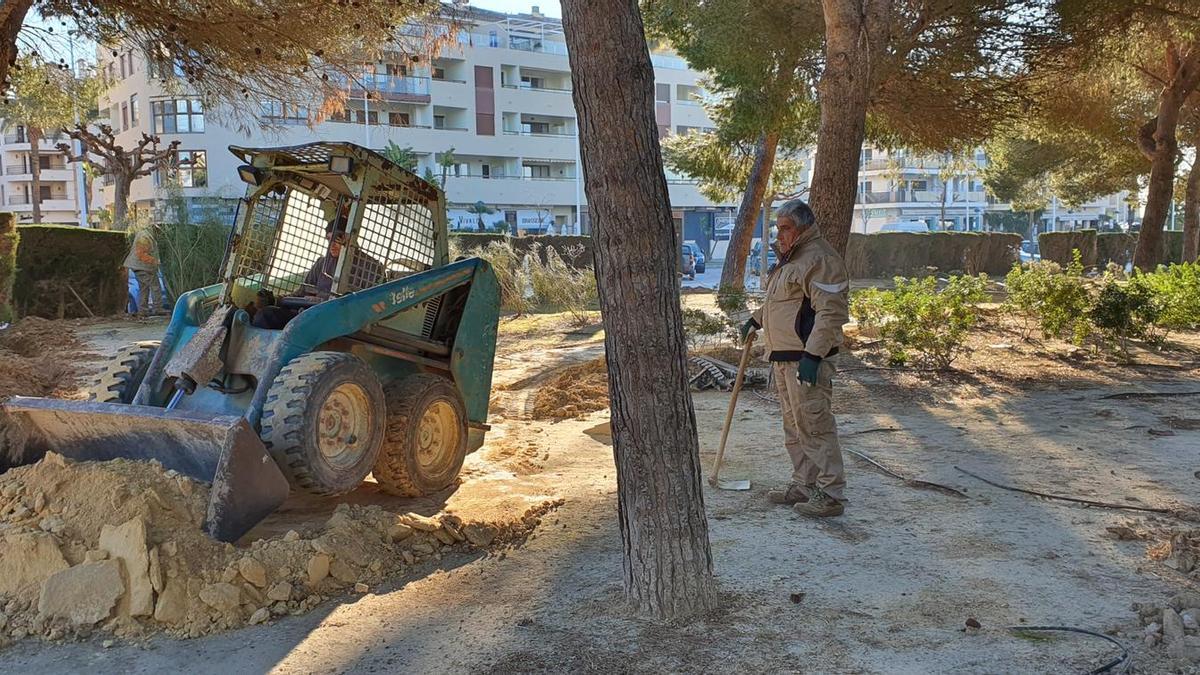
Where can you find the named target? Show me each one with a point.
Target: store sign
(534, 220)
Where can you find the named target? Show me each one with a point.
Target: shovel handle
(737, 387)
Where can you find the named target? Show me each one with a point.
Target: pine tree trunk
(667, 560)
(35, 159)
(733, 274)
(1191, 213)
(1157, 139)
(856, 34)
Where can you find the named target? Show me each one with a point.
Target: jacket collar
(809, 234)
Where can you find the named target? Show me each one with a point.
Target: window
(124, 116)
(919, 185)
(398, 119)
(439, 73)
(493, 39)
(533, 83)
(662, 93)
(485, 170)
(537, 171)
(537, 127)
(287, 113)
(123, 71)
(867, 154)
(865, 187)
(371, 118)
(130, 63)
(188, 168)
(44, 192)
(177, 116)
(439, 121)
(133, 110)
(396, 70)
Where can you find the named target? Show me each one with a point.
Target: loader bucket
(222, 450)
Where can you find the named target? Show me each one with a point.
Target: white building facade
(500, 98)
(57, 187)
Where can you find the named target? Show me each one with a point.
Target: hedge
(1058, 246)
(560, 243)
(8, 264)
(889, 254)
(1099, 249)
(53, 261)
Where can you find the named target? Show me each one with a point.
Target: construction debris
(572, 393)
(130, 559)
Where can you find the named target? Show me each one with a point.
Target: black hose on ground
(1123, 661)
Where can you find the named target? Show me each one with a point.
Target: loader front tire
(426, 436)
(323, 422)
(120, 379)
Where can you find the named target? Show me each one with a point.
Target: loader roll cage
(393, 220)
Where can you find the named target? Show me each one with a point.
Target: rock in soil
(84, 594)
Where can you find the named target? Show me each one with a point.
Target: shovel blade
(733, 485)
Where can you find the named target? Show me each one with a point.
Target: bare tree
(667, 561)
(105, 156)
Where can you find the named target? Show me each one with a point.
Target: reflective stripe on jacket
(807, 300)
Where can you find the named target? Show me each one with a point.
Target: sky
(548, 7)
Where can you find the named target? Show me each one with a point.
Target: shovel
(715, 479)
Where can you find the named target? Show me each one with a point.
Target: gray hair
(798, 212)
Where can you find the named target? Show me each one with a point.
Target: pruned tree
(763, 103)
(242, 53)
(42, 99)
(105, 156)
(660, 503)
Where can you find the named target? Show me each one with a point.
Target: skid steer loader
(379, 360)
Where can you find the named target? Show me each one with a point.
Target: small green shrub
(1124, 310)
(917, 322)
(8, 264)
(1176, 288)
(701, 328)
(1056, 298)
(732, 301)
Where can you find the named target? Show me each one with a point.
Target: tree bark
(733, 274)
(121, 185)
(35, 159)
(12, 16)
(660, 502)
(1191, 212)
(856, 33)
(1157, 139)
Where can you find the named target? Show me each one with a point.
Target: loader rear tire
(120, 379)
(323, 422)
(426, 437)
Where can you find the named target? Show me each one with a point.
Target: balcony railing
(397, 84)
(16, 171)
(551, 134)
(526, 87)
(536, 45)
(18, 199)
(15, 138)
(550, 47)
(665, 61)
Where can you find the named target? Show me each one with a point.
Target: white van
(908, 226)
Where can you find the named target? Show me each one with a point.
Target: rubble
(129, 557)
(1172, 629)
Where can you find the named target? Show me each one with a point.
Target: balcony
(526, 87)
(537, 45)
(543, 134)
(670, 62)
(394, 87)
(27, 171)
(17, 200)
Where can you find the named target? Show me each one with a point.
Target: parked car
(756, 259)
(1029, 251)
(688, 264)
(698, 252)
(906, 226)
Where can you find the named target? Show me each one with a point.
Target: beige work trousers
(809, 430)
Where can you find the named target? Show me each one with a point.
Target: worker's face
(788, 233)
(336, 242)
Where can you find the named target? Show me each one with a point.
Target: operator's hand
(809, 367)
(747, 328)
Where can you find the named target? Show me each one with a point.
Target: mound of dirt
(37, 358)
(574, 392)
(117, 547)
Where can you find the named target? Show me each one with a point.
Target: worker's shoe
(820, 505)
(794, 493)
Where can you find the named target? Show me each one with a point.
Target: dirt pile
(117, 547)
(572, 393)
(1174, 626)
(36, 358)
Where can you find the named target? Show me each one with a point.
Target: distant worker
(143, 260)
(802, 317)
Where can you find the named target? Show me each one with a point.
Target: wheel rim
(344, 425)
(437, 438)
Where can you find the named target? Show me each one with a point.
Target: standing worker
(802, 317)
(143, 260)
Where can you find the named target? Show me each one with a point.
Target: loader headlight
(250, 174)
(341, 165)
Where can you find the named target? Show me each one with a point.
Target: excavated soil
(62, 523)
(38, 357)
(574, 392)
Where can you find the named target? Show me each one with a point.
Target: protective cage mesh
(288, 234)
(395, 238)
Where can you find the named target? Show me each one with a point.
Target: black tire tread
(401, 397)
(283, 418)
(123, 373)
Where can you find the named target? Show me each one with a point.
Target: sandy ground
(886, 588)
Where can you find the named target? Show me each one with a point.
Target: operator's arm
(143, 247)
(827, 286)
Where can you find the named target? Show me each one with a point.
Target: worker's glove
(807, 371)
(747, 328)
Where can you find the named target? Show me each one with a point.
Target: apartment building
(899, 186)
(57, 184)
(500, 97)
